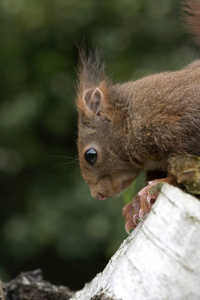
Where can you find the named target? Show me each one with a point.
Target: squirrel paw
(131, 213)
(141, 203)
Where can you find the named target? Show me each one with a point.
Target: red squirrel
(138, 125)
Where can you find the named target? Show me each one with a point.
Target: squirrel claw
(135, 219)
(141, 213)
(151, 198)
(129, 225)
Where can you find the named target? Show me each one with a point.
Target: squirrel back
(140, 125)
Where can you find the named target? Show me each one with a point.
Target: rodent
(126, 128)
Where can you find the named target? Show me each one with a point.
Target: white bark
(160, 259)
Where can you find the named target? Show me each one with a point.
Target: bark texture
(31, 286)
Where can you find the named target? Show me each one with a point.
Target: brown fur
(192, 17)
(136, 125)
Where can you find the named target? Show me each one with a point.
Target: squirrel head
(104, 162)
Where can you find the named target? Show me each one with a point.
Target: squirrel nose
(100, 196)
(97, 195)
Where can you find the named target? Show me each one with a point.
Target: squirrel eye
(91, 156)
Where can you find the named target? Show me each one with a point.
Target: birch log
(160, 259)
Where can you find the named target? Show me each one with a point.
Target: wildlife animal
(139, 125)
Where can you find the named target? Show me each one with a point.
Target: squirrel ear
(93, 99)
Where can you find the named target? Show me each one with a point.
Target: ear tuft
(93, 100)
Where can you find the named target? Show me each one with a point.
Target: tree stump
(160, 259)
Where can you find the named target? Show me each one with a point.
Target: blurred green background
(48, 219)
